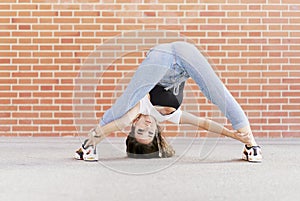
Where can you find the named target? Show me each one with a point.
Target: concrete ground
(42, 169)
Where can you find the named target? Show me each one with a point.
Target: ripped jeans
(169, 65)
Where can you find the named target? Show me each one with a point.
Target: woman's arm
(100, 132)
(206, 124)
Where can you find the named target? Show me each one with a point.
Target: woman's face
(145, 128)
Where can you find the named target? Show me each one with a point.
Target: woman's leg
(149, 73)
(197, 66)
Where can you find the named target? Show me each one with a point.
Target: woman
(155, 94)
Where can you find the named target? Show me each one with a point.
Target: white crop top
(147, 108)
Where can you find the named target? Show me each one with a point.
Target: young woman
(155, 94)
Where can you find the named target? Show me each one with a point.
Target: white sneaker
(87, 154)
(252, 154)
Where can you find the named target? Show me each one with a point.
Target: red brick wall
(44, 45)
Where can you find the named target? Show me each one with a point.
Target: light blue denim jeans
(170, 65)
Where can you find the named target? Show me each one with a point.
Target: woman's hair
(158, 148)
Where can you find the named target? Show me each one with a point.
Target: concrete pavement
(43, 169)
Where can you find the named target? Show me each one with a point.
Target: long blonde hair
(158, 148)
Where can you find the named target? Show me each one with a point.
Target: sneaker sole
(252, 160)
(259, 160)
(90, 160)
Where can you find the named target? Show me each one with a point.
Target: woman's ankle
(248, 136)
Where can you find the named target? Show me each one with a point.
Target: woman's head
(145, 139)
(145, 128)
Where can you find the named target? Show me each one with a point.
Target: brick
(64, 128)
(24, 88)
(25, 128)
(45, 94)
(24, 20)
(290, 134)
(87, 27)
(212, 14)
(254, 27)
(46, 121)
(45, 27)
(212, 27)
(24, 115)
(46, 40)
(24, 7)
(4, 7)
(24, 61)
(46, 54)
(8, 13)
(45, 13)
(86, 13)
(67, 61)
(66, 34)
(66, 20)
(254, 1)
(66, 6)
(25, 34)
(213, 1)
(94, 41)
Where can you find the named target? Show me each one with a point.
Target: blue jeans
(170, 65)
